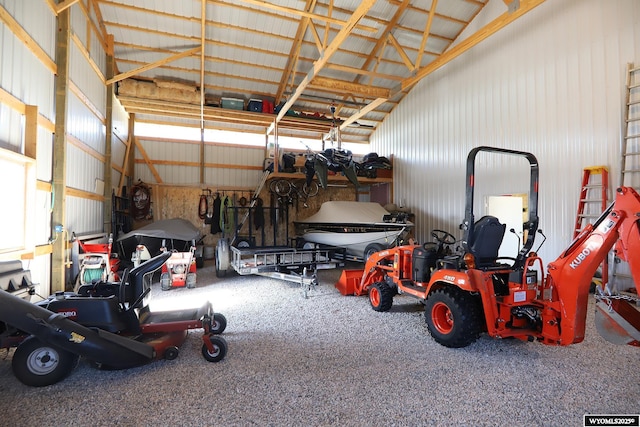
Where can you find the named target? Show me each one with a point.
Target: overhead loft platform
(334, 179)
(241, 120)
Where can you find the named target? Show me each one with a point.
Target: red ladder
(592, 202)
(588, 208)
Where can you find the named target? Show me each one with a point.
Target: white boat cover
(348, 213)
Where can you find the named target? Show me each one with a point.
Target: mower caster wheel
(218, 323)
(219, 349)
(171, 353)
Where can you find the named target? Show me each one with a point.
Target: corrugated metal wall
(31, 80)
(119, 141)
(552, 83)
(183, 167)
(85, 123)
(26, 78)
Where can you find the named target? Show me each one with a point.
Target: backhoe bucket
(349, 279)
(618, 323)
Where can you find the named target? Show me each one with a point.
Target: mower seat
(485, 241)
(139, 286)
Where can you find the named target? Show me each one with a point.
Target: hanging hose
(91, 274)
(210, 201)
(203, 206)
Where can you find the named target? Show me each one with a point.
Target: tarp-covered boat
(360, 227)
(177, 233)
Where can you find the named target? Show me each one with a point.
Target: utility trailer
(294, 263)
(279, 262)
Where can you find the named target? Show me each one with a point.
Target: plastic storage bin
(233, 103)
(255, 105)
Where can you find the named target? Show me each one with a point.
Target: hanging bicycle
(285, 188)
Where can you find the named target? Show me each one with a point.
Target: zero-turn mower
(108, 323)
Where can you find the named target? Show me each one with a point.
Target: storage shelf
(331, 178)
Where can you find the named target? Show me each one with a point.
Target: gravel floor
(330, 360)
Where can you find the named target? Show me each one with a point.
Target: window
(242, 138)
(17, 173)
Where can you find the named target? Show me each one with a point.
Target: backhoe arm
(569, 277)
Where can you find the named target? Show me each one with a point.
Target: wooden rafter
(370, 107)
(147, 160)
(296, 46)
(317, 17)
(349, 87)
(153, 65)
(367, 73)
(27, 40)
(268, 15)
(203, 40)
(127, 154)
(103, 29)
(357, 15)
(425, 36)
(379, 48)
(316, 37)
(292, 58)
(65, 5)
(473, 40)
(387, 31)
(401, 52)
(379, 59)
(302, 81)
(327, 26)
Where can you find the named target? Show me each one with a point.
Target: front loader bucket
(348, 282)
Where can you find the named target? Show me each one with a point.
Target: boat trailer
(279, 262)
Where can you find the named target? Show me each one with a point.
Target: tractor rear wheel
(453, 317)
(381, 296)
(37, 364)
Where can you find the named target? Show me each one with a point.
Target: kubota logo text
(583, 255)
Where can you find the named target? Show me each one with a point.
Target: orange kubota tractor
(475, 291)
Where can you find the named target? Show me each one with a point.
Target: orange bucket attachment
(349, 280)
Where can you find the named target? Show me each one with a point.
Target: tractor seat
(485, 241)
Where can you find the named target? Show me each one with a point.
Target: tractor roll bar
(532, 223)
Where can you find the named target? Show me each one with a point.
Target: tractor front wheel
(453, 317)
(381, 296)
